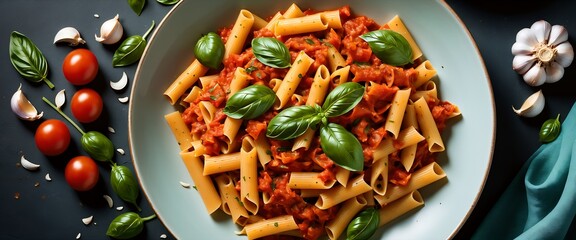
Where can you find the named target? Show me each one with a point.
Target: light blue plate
(443, 39)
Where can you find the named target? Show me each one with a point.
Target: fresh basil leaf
(168, 2)
(209, 50)
(342, 99)
(97, 145)
(341, 147)
(271, 52)
(364, 225)
(127, 225)
(131, 49)
(389, 46)
(137, 5)
(124, 184)
(27, 59)
(292, 122)
(250, 102)
(550, 130)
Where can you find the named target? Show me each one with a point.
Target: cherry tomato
(82, 173)
(86, 105)
(52, 137)
(80, 66)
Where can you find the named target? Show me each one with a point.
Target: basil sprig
(137, 5)
(131, 49)
(550, 130)
(271, 52)
(364, 225)
(124, 184)
(27, 59)
(250, 102)
(127, 225)
(209, 50)
(339, 145)
(389, 46)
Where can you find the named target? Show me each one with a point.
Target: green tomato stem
(50, 84)
(63, 115)
(149, 217)
(558, 117)
(149, 30)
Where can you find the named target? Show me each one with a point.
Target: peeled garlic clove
(87, 220)
(123, 99)
(536, 76)
(554, 72)
(520, 48)
(69, 35)
(541, 30)
(558, 34)
(120, 84)
(522, 63)
(24, 108)
(28, 165)
(527, 36)
(564, 54)
(532, 106)
(111, 31)
(60, 98)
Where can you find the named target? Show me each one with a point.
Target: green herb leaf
(250, 102)
(251, 69)
(341, 147)
(550, 130)
(209, 50)
(364, 225)
(27, 59)
(97, 145)
(137, 5)
(292, 122)
(271, 52)
(168, 2)
(389, 46)
(124, 184)
(127, 225)
(342, 99)
(131, 49)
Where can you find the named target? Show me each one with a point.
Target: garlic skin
(532, 106)
(24, 108)
(69, 35)
(111, 31)
(541, 53)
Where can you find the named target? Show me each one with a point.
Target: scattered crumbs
(123, 99)
(16, 195)
(47, 177)
(94, 223)
(18, 164)
(111, 129)
(96, 15)
(120, 150)
(79, 235)
(119, 208)
(163, 236)
(37, 184)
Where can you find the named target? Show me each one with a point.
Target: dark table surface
(33, 208)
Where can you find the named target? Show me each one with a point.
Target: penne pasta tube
(263, 150)
(204, 185)
(293, 11)
(208, 111)
(406, 137)
(206, 80)
(428, 91)
(420, 178)
(230, 200)
(179, 129)
(407, 156)
(193, 94)
(332, 18)
(306, 193)
(400, 207)
(274, 84)
(308, 180)
(335, 59)
(299, 25)
(270, 226)
(221, 163)
(379, 176)
(340, 194)
(396, 112)
(292, 79)
(428, 126)
(242, 27)
(342, 175)
(425, 73)
(349, 209)
(340, 76)
(273, 21)
(185, 81)
(259, 23)
(398, 26)
(249, 175)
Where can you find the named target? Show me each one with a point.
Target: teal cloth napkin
(540, 203)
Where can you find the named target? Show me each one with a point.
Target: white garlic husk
(111, 31)
(69, 35)
(532, 106)
(24, 108)
(541, 53)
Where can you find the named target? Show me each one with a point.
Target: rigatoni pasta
(272, 186)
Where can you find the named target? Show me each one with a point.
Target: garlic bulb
(111, 31)
(22, 107)
(541, 53)
(69, 35)
(532, 106)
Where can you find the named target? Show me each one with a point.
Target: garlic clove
(523, 63)
(87, 220)
(22, 107)
(120, 84)
(558, 34)
(533, 105)
(520, 48)
(564, 54)
(108, 200)
(111, 31)
(60, 98)
(123, 99)
(535, 76)
(30, 166)
(69, 35)
(541, 30)
(554, 72)
(527, 36)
